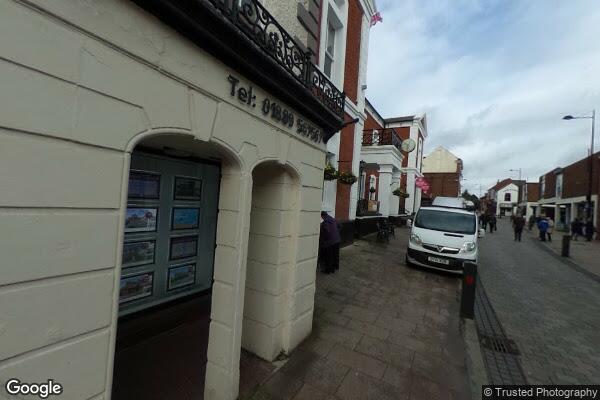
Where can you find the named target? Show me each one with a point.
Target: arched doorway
(167, 267)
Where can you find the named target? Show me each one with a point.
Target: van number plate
(439, 260)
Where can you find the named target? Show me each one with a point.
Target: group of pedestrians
(546, 228)
(488, 220)
(578, 228)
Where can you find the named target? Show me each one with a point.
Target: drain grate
(500, 354)
(500, 345)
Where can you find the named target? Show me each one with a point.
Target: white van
(443, 238)
(455, 202)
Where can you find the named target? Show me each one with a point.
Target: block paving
(381, 331)
(546, 306)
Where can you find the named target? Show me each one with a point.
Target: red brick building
(342, 54)
(443, 171)
(563, 192)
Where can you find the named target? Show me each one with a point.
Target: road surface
(551, 310)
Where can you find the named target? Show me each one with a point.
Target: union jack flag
(376, 18)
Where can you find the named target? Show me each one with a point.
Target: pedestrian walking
(492, 222)
(589, 230)
(518, 225)
(531, 221)
(543, 227)
(484, 221)
(329, 244)
(550, 228)
(575, 229)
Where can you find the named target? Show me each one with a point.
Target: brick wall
(403, 186)
(442, 184)
(353, 38)
(342, 202)
(575, 178)
(533, 192)
(404, 133)
(371, 123)
(550, 188)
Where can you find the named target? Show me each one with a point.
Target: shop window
(559, 185)
(506, 196)
(169, 231)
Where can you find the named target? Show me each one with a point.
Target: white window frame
(335, 13)
(330, 49)
(559, 186)
(543, 187)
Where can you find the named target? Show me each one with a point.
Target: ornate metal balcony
(381, 137)
(247, 37)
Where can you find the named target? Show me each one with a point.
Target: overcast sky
(494, 77)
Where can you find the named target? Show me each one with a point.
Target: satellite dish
(408, 145)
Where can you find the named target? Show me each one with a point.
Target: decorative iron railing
(253, 19)
(381, 137)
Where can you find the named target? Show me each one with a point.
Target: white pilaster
(384, 189)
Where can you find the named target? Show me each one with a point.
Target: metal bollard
(566, 244)
(467, 299)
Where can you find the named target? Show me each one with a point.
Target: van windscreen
(445, 221)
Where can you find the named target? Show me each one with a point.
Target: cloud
(494, 78)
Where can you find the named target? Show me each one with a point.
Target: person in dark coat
(329, 243)
(492, 223)
(589, 230)
(531, 221)
(575, 229)
(518, 224)
(484, 221)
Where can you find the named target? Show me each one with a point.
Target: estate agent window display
(163, 233)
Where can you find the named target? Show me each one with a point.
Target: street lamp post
(519, 193)
(516, 170)
(591, 161)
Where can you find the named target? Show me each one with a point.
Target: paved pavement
(585, 254)
(548, 307)
(381, 331)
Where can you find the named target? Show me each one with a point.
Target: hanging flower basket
(347, 178)
(400, 193)
(330, 174)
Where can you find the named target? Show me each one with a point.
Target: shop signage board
(274, 110)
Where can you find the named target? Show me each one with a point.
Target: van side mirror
(481, 232)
